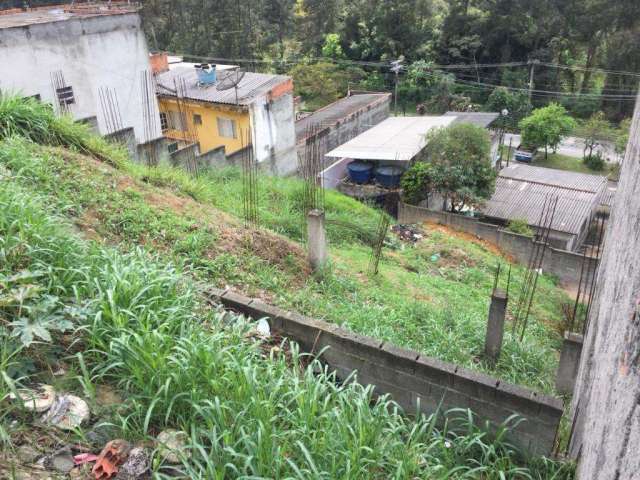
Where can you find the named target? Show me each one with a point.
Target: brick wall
(565, 265)
(413, 380)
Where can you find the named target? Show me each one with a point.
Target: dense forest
(581, 53)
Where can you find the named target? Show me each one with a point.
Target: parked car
(524, 153)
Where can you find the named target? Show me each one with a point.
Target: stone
(38, 399)
(27, 454)
(62, 461)
(81, 472)
(172, 444)
(100, 434)
(67, 413)
(136, 465)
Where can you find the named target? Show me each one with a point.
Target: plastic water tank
(360, 172)
(389, 177)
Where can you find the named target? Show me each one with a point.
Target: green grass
(438, 308)
(564, 162)
(143, 327)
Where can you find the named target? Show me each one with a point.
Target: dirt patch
(468, 237)
(231, 236)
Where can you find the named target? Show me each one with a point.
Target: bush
(520, 226)
(416, 183)
(595, 161)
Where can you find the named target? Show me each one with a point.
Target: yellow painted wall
(208, 135)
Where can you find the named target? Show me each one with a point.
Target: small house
(230, 110)
(523, 192)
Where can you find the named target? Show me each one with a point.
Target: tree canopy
(456, 163)
(593, 41)
(546, 127)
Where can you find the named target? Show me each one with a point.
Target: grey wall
(414, 380)
(350, 126)
(126, 137)
(92, 52)
(191, 160)
(563, 264)
(274, 135)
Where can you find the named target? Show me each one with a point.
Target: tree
(332, 48)
(416, 183)
(622, 137)
(322, 83)
(606, 401)
(546, 127)
(516, 102)
(596, 129)
(460, 165)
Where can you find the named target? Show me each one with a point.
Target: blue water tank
(359, 171)
(388, 177)
(206, 74)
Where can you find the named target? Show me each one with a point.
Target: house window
(227, 128)
(164, 122)
(176, 121)
(65, 96)
(197, 119)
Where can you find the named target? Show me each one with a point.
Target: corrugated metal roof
(481, 119)
(551, 176)
(338, 110)
(252, 86)
(519, 198)
(396, 138)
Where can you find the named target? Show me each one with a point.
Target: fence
(565, 265)
(413, 380)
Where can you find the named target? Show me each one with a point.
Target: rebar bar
(250, 197)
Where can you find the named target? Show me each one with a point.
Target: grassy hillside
(102, 267)
(437, 307)
(140, 328)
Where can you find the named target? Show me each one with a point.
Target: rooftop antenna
(231, 80)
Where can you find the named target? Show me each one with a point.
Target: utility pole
(396, 67)
(532, 67)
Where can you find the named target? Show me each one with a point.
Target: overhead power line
(388, 65)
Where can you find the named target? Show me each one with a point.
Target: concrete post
(569, 362)
(316, 240)
(495, 325)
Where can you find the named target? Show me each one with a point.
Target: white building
(71, 56)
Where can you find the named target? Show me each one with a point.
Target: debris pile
(407, 233)
(116, 460)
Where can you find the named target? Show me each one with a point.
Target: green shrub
(416, 182)
(595, 161)
(520, 226)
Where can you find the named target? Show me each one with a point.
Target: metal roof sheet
(396, 138)
(551, 176)
(252, 86)
(519, 198)
(338, 110)
(481, 119)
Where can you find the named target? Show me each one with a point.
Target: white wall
(92, 52)
(274, 135)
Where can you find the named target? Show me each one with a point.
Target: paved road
(572, 147)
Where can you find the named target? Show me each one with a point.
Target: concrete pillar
(495, 325)
(569, 362)
(316, 240)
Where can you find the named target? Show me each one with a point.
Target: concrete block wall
(413, 380)
(126, 137)
(563, 264)
(350, 126)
